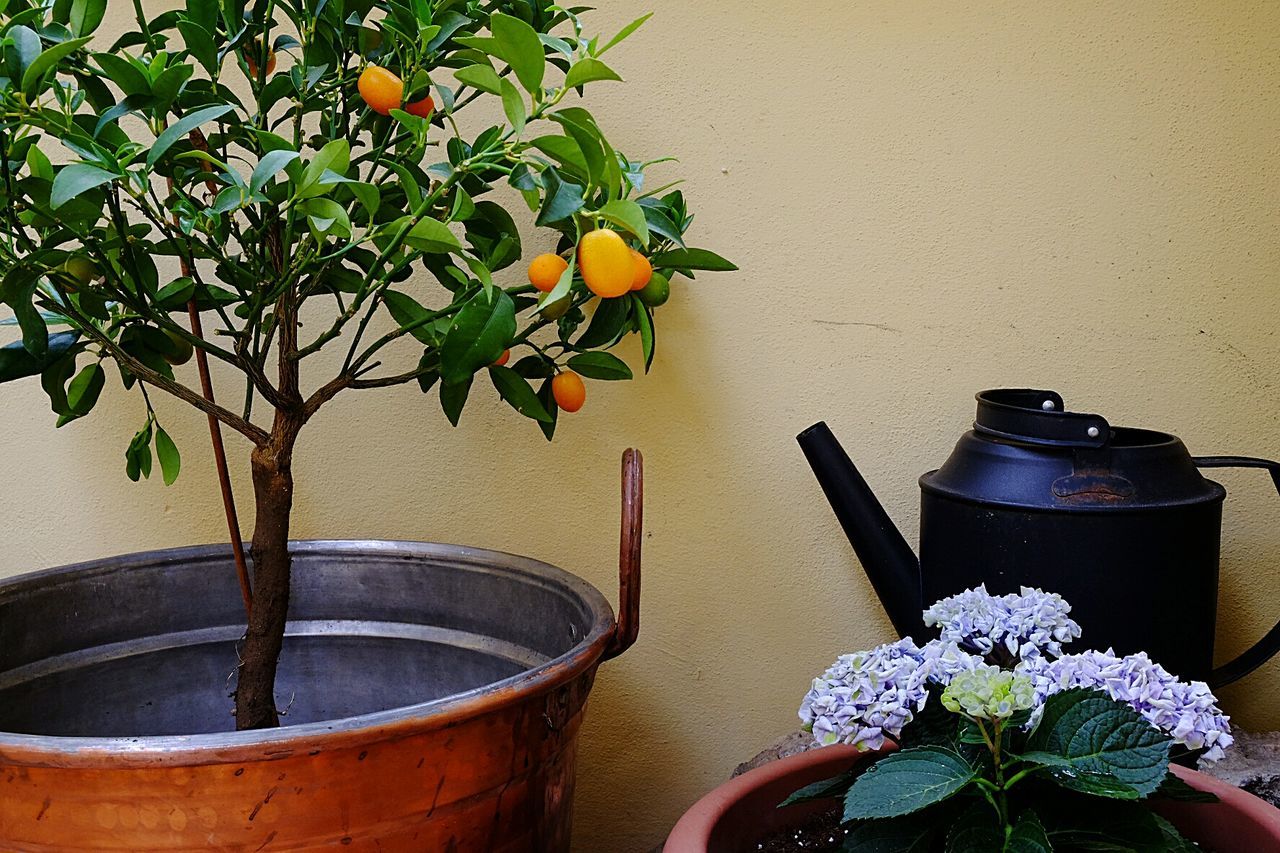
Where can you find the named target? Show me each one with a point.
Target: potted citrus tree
(262, 183)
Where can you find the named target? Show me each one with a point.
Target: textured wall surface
(925, 200)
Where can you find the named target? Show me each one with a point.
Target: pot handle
(628, 628)
(1269, 645)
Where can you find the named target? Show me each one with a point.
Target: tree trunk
(273, 495)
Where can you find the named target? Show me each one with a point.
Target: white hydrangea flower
(1186, 711)
(867, 696)
(989, 693)
(943, 661)
(1024, 625)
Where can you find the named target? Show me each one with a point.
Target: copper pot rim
(347, 732)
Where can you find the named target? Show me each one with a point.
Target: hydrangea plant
(1004, 741)
(305, 176)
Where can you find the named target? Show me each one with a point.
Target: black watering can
(1119, 521)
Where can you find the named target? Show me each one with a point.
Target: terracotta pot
(734, 817)
(435, 697)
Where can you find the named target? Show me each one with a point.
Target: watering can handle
(1269, 645)
(624, 635)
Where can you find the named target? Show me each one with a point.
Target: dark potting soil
(819, 834)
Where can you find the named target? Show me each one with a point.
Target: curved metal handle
(1263, 650)
(624, 635)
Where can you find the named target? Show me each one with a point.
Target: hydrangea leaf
(897, 835)
(908, 781)
(1097, 734)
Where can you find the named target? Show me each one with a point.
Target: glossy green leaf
(520, 47)
(17, 363)
(1094, 733)
(907, 781)
(406, 311)
(624, 32)
(334, 157)
(513, 388)
(895, 835)
(513, 106)
(692, 259)
(86, 15)
(432, 235)
(17, 290)
(84, 390)
(271, 164)
(588, 70)
(629, 215)
(75, 179)
(453, 398)
(480, 332)
(480, 77)
(47, 60)
(183, 126)
(167, 453)
(607, 324)
(600, 365)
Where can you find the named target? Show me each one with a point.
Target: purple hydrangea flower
(1026, 624)
(1186, 711)
(867, 696)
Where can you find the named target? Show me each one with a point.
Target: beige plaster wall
(925, 199)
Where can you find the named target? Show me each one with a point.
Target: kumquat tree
(193, 186)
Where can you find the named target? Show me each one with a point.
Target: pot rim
(266, 744)
(695, 826)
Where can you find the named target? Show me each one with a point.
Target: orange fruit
(503, 359)
(606, 263)
(643, 270)
(421, 109)
(568, 390)
(251, 59)
(545, 271)
(380, 89)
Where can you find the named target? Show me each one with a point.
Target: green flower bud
(989, 693)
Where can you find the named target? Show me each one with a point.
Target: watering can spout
(886, 557)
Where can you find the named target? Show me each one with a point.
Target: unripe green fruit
(180, 352)
(656, 292)
(81, 269)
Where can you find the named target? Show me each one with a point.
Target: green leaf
(326, 216)
(896, 835)
(1028, 836)
(559, 295)
(334, 157)
(607, 324)
(406, 311)
(26, 45)
(1171, 840)
(199, 43)
(479, 334)
(86, 15)
(131, 79)
(1096, 734)
(17, 291)
(453, 398)
(645, 324)
(268, 167)
(480, 77)
(17, 363)
(588, 70)
(563, 199)
(432, 235)
(976, 831)
(548, 399)
(1173, 788)
(624, 32)
(825, 789)
(180, 128)
(83, 391)
(906, 781)
(519, 45)
(513, 106)
(692, 259)
(73, 180)
(629, 215)
(1094, 784)
(515, 390)
(47, 60)
(600, 365)
(167, 453)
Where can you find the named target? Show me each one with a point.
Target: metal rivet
(1048, 406)
(1093, 432)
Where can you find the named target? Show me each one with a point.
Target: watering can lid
(1037, 417)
